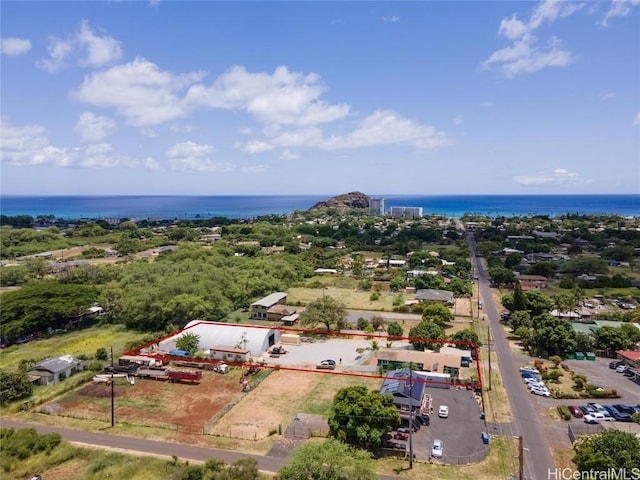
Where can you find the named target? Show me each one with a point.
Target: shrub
(564, 412)
(362, 323)
(553, 375)
(374, 296)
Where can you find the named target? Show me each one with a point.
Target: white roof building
(256, 339)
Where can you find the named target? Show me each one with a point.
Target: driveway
(599, 373)
(461, 432)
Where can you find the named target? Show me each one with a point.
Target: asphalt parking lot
(599, 373)
(461, 432)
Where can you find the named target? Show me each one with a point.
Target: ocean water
(249, 206)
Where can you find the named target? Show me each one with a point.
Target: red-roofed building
(629, 357)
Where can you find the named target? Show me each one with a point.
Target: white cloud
(28, 146)
(255, 146)
(253, 169)
(58, 51)
(189, 149)
(139, 91)
(636, 121)
(457, 120)
(606, 96)
(12, 47)
(524, 55)
(383, 127)
(619, 8)
(191, 165)
(390, 19)
(556, 177)
(94, 128)
(282, 98)
(99, 51)
(290, 155)
(94, 51)
(192, 157)
(150, 164)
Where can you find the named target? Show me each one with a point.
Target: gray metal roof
(270, 300)
(435, 295)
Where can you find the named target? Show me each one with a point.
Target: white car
(531, 381)
(443, 411)
(527, 368)
(543, 392)
(597, 417)
(436, 449)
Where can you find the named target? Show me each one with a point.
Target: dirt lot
(267, 406)
(154, 402)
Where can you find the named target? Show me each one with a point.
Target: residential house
(532, 282)
(430, 295)
(55, 369)
(427, 361)
(407, 388)
(260, 308)
(278, 312)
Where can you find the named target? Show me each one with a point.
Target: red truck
(184, 375)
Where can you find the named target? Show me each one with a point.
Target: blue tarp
(179, 353)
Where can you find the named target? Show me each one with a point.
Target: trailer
(153, 373)
(184, 375)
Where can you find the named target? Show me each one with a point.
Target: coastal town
(486, 346)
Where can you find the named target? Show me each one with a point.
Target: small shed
(290, 339)
(230, 354)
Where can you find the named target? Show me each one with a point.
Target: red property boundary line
(165, 358)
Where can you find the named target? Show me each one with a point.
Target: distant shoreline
(191, 207)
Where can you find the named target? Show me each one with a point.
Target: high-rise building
(376, 206)
(406, 212)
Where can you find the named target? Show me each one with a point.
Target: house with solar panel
(408, 389)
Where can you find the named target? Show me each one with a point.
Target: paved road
(141, 445)
(538, 459)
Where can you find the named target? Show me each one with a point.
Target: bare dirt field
(279, 398)
(154, 402)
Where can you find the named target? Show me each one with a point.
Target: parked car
(400, 435)
(585, 409)
(536, 385)
(598, 417)
(527, 368)
(615, 364)
(443, 411)
(617, 414)
(597, 407)
(628, 373)
(543, 392)
(625, 408)
(526, 375)
(436, 449)
(327, 365)
(575, 411)
(394, 445)
(621, 368)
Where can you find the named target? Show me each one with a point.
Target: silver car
(436, 449)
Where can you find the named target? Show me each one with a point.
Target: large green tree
(552, 336)
(438, 313)
(362, 416)
(188, 342)
(325, 311)
(328, 460)
(41, 305)
(427, 335)
(608, 451)
(14, 386)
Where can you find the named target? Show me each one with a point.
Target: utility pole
(489, 350)
(521, 458)
(410, 416)
(113, 409)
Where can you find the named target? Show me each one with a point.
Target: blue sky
(213, 98)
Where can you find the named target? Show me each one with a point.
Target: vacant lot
(186, 407)
(276, 401)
